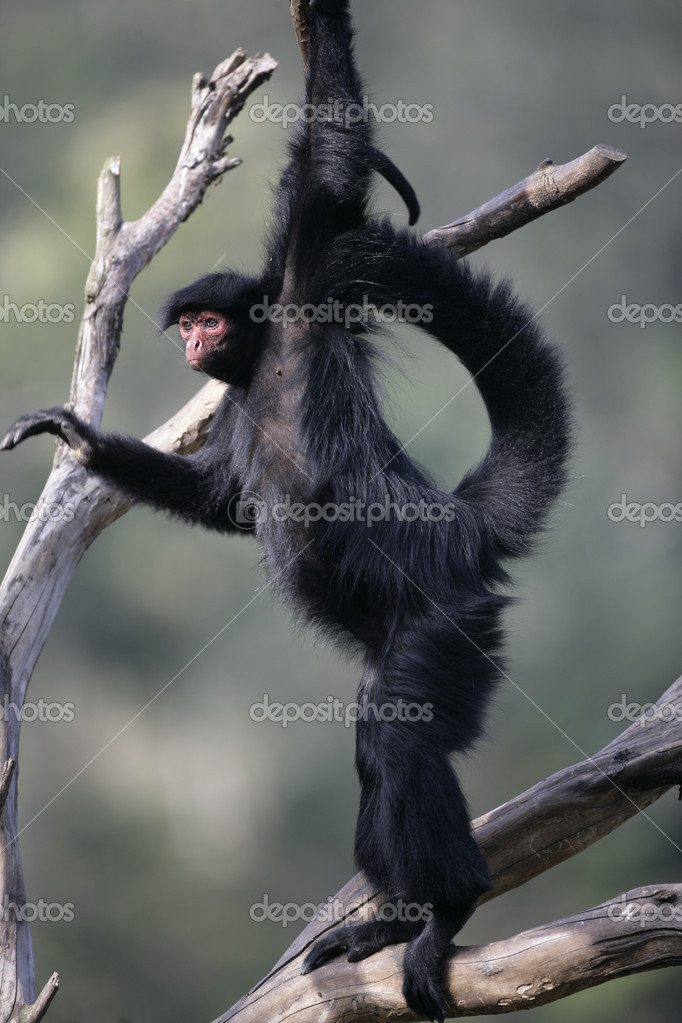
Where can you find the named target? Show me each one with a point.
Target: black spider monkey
(301, 423)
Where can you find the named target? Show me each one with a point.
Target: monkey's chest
(279, 446)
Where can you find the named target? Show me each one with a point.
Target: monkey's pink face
(205, 335)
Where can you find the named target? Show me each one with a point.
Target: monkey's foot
(359, 941)
(424, 965)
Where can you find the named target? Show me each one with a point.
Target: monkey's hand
(60, 422)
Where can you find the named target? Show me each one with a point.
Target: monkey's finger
(47, 421)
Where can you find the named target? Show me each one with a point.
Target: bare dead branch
(640, 930)
(124, 248)
(49, 551)
(300, 10)
(34, 1013)
(543, 826)
(5, 780)
(546, 189)
(577, 806)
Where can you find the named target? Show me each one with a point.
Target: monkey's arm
(181, 485)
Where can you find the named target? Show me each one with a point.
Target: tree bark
(547, 824)
(50, 550)
(637, 931)
(546, 189)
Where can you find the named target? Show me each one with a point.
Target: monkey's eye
(211, 323)
(185, 325)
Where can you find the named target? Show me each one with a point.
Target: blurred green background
(195, 812)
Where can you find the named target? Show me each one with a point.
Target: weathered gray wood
(547, 824)
(547, 188)
(300, 10)
(577, 806)
(530, 969)
(49, 551)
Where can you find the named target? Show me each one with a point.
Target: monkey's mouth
(193, 356)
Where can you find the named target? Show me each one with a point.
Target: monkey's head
(217, 325)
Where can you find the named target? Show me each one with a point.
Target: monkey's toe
(327, 948)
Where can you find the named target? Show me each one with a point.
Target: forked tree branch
(50, 550)
(549, 823)
(640, 930)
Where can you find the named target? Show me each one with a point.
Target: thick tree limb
(577, 806)
(641, 930)
(554, 820)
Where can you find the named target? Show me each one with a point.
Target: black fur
(302, 423)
